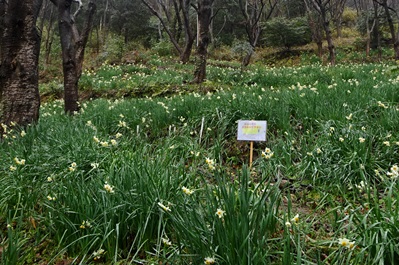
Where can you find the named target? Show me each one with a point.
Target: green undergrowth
(158, 177)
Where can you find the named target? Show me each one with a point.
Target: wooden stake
(251, 151)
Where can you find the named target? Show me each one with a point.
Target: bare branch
(156, 13)
(165, 10)
(217, 11)
(195, 7)
(243, 9)
(79, 8)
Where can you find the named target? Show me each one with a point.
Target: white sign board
(251, 130)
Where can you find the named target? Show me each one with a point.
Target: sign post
(251, 131)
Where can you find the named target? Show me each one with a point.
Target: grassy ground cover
(161, 179)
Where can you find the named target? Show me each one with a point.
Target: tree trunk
(69, 63)
(189, 36)
(253, 13)
(204, 20)
(73, 47)
(165, 26)
(391, 25)
(19, 56)
(182, 20)
(368, 35)
(247, 59)
(321, 8)
(338, 25)
(330, 43)
(97, 41)
(50, 36)
(368, 42)
(336, 8)
(104, 25)
(319, 49)
(177, 20)
(43, 9)
(186, 53)
(376, 31)
(327, 30)
(314, 21)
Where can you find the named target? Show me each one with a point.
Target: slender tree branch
(79, 8)
(217, 11)
(195, 7)
(164, 10)
(243, 10)
(156, 13)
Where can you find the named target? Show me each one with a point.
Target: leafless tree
(394, 35)
(316, 28)
(376, 29)
(322, 7)
(336, 11)
(173, 19)
(48, 14)
(73, 46)
(255, 12)
(370, 26)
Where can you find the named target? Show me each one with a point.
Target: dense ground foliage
(159, 177)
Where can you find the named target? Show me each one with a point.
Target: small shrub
(163, 48)
(349, 17)
(282, 32)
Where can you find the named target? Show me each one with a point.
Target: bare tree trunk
(189, 36)
(337, 8)
(377, 30)
(186, 53)
(164, 24)
(73, 46)
(391, 25)
(49, 36)
(330, 43)
(338, 26)
(177, 20)
(247, 59)
(97, 41)
(315, 28)
(69, 62)
(204, 20)
(368, 43)
(103, 25)
(253, 12)
(368, 34)
(19, 58)
(182, 20)
(43, 9)
(321, 7)
(319, 49)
